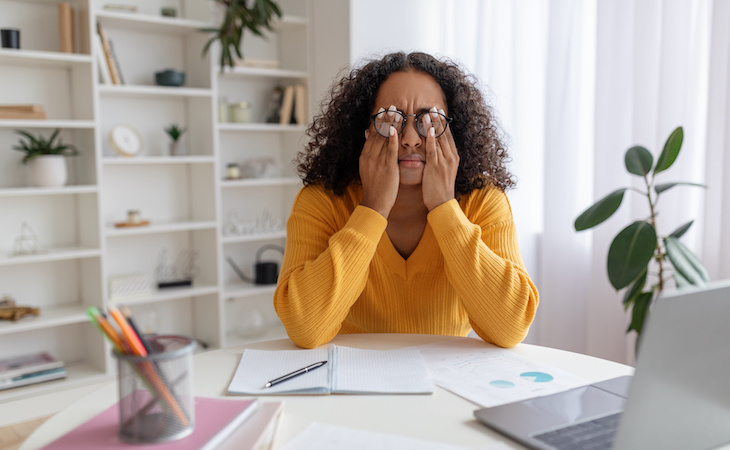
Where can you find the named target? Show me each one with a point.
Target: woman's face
(411, 93)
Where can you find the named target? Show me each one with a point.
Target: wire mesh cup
(156, 391)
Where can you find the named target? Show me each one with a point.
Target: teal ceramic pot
(170, 77)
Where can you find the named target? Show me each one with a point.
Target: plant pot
(177, 148)
(47, 171)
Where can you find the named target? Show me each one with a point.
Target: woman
(403, 225)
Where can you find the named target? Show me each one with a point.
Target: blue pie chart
(502, 384)
(537, 377)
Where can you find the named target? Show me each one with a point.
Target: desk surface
(442, 417)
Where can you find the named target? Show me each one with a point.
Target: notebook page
(360, 371)
(260, 366)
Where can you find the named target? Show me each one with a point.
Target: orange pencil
(106, 328)
(129, 335)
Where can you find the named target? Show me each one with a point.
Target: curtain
(575, 83)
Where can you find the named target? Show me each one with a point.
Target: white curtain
(575, 83)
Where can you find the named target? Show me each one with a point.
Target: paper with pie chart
(491, 376)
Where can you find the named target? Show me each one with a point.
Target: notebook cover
(211, 416)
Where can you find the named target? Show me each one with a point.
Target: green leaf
(633, 292)
(638, 160)
(640, 311)
(630, 253)
(670, 151)
(659, 188)
(685, 262)
(600, 211)
(679, 232)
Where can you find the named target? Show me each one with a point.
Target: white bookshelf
(185, 198)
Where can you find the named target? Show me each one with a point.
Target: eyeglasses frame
(415, 120)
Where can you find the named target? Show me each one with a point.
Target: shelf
(160, 227)
(44, 59)
(49, 317)
(65, 190)
(53, 254)
(261, 127)
(268, 73)
(130, 90)
(70, 124)
(169, 294)
(151, 24)
(237, 290)
(151, 160)
(253, 237)
(255, 182)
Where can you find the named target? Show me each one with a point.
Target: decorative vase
(47, 171)
(177, 148)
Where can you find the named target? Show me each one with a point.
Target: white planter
(47, 171)
(177, 148)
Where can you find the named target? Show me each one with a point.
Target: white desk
(442, 417)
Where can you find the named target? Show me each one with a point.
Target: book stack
(30, 369)
(22, 112)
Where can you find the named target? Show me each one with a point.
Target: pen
(294, 374)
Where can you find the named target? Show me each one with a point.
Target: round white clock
(125, 140)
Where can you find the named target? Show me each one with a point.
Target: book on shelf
(33, 378)
(300, 104)
(25, 364)
(104, 74)
(22, 112)
(30, 369)
(115, 61)
(257, 63)
(108, 57)
(65, 27)
(217, 421)
(287, 105)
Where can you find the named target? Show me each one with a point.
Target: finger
(432, 151)
(391, 154)
(373, 140)
(446, 140)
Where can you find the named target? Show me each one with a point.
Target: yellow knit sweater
(341, 273)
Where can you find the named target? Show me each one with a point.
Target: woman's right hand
(379, 168)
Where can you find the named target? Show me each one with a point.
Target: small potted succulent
(177, 146)
(45, 158)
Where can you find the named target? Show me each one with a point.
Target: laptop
(679, 397)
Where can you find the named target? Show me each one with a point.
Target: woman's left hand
(442, 164)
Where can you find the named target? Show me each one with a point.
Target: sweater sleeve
(484, 266)
(325, 266)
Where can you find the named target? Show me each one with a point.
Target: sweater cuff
(442, 217)
(367, 222)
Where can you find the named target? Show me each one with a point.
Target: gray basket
(156, 391)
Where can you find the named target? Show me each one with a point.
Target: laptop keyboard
(594, 434)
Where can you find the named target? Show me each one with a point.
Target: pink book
(215, 420)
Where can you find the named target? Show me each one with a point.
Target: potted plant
(177, 147)
(639, 245)
(45, 159)
(239, 15)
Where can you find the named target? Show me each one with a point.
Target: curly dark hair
(337, 134)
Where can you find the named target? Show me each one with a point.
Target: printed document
(489, 376)
(348, 371)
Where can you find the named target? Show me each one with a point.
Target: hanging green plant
(636, 246)
(240, 15)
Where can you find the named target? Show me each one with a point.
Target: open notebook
(348, 371)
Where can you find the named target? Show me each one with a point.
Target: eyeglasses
(382, 122)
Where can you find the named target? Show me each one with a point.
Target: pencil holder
(156, 391)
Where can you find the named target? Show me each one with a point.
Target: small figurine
(9, 311)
